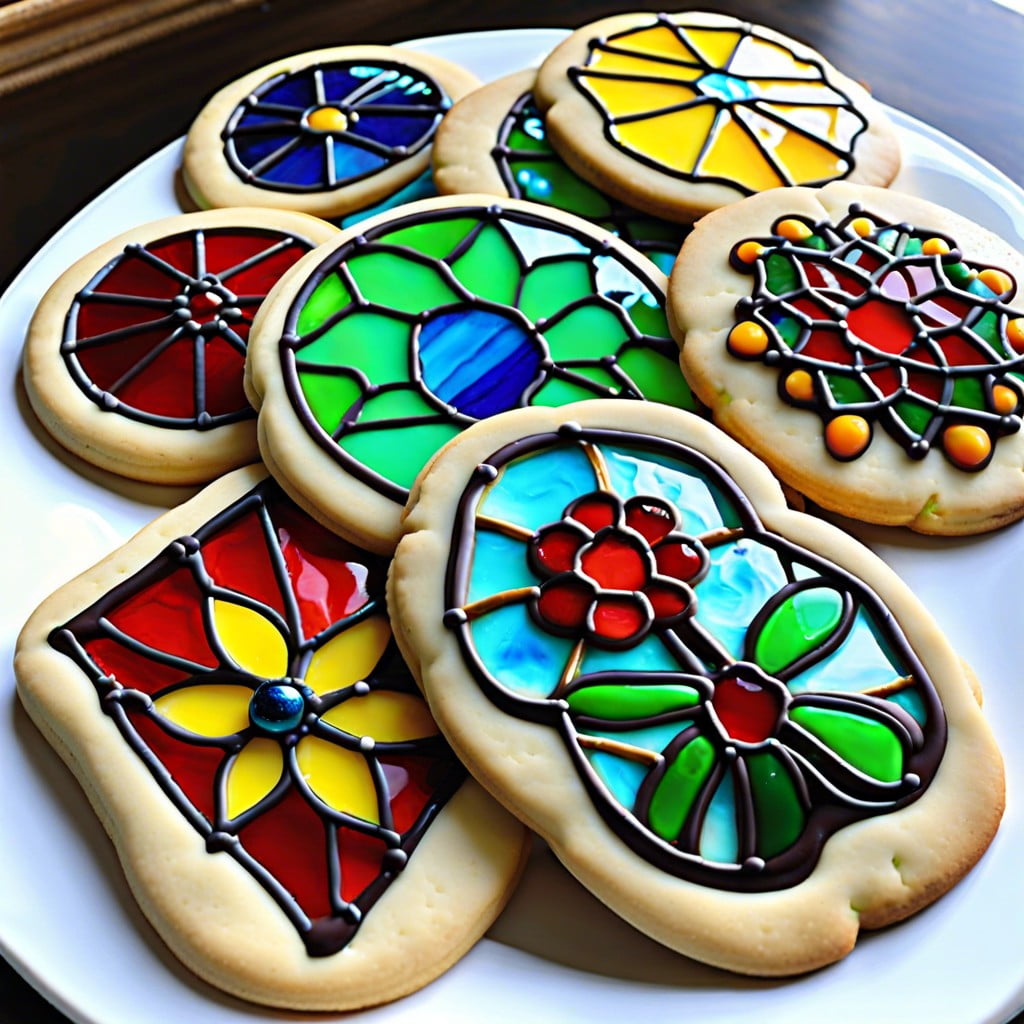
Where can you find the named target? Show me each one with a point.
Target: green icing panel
(658, 378)
(435, 238)
(376, 344)
(969, 393)
(777, 809)
(489, 267)
(780, 275)
(400, 402)
(846, 390)
(866, 744)
(649, 319)
(548, 287)
(551, 182)
(678, 788)
(797, 626)
(377, 273)
(916, 416)
(558, 392)
(586, 332)
(329, 397)
(398, 453)
(328, 298)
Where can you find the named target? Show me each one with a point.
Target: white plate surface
(68, 923)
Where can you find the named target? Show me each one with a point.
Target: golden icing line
(621, 749)
(901, 683)
(508, 529)
(488, 604)
(572, 667)
(596, 459)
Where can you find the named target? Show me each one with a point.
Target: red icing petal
(237, 558)
(225, 368)
(409, 787)
(259, 278)
(960, 351)
(651, 521)
(886, 326)
(166, 386)
(105, 363)
(132, 670)
(614, 564)
(746, 710)
(360, 857)
(667, 601)
(594, 511)
(678, 560)
(828, 346)
(619, 618)
(134, 275)
(564, 604)
(556, 548)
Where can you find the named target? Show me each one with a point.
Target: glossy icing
(251, 667)
(432, 320)
(159, 333)
(881, 326)
(742, 699)
(725, 104)
(327, 125)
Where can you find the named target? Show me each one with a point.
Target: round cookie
(380, 347)
(226, 691)
(326, 132)
(731, 721)
(134, 358)
(494, 141)
(679, 114)
(869, 346)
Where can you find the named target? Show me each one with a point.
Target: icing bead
(935, 247)
(847, 435)
(861, 226)
(748, 339)
(968, 446)
(800, 386)
(999, 282)
(1015, 333)
(327, 119)
(792, 229)
(747, 252)
(1004, 399)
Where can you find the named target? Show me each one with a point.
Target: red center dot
(204, 307)
(748, 712)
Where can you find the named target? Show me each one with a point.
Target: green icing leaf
(400, 452)
(587, 332)
(489, 267)
(847, 390)
(328, 298)
(780, 276)
(549, 286)
(394, 281)
(557, 392)
(679, 786)
(865, 743)
(329, 397)
(619, 703)
(968, 393)
(435, 238)
(796, 626)
(916, 416)
(657, 378)
(778, 813)
(372, 342)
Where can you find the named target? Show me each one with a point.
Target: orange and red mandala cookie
(135, 356)
(325, 132)
(679, 114)
(732, 722)
(869, 346)
(379, 348)
(227, 692)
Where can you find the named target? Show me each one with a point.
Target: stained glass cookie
(326, 132)
(135, 356)
(679, 114)
(732, 722)
(376, 350)
(869, 346)
(494, 141)
(226, 690)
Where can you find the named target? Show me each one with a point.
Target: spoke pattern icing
(729, 698)
(251, 667)
(874, 325)
(407, 334)
(159, 334)
(329, 125)
(724, 104)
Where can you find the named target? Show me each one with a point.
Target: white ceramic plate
(69, 924)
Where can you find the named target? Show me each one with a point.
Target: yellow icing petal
(207, 709)
(658, 41)
(630, 64)
(252, 775)
(673, 140)
(341, 778)
(714, 45)
(622, 97)
(386, 716)
(735, 156)
(803, 158)
(349, 656)
(254, 643)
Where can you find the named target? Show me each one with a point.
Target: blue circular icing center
(277, 707)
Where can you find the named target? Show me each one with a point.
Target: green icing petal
(618, 703)
(372, 342)
(586, 332)
(489, 267)
(329, 397)
(558, 392)
(397, 404)
(549, 286)
(328, 298)
(435, 238)
(398, 453)
(869, 745)
(679, 786)
(802, 622)
(778, 813)
(657, 378)
(394, 281)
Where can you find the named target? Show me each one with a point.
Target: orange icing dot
(862, 226)
(967, 446)
(794, 230)
(935, 247)
(748, 339)
(327, 119)
(800, 386)
(1004, 399)
(747, 252)
(848, 435)
(999, 282)
(1015, 333)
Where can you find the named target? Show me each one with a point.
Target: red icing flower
(614, 569)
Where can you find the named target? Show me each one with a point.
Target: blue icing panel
(719, 840)
(339, 84)
(499, 563)
(644, 473)
(251, 149)
(649, 656)
(623, 778)
(741, 578)
(535, 490)
(294, 91)
(304, 165)
(859, 664)
(419, 188)
(394, 131)
(352, 161)
(517, 653)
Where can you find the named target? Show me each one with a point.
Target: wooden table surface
(955, 64)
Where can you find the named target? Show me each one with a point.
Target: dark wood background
(956, 64)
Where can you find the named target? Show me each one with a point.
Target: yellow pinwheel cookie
(679, 114)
